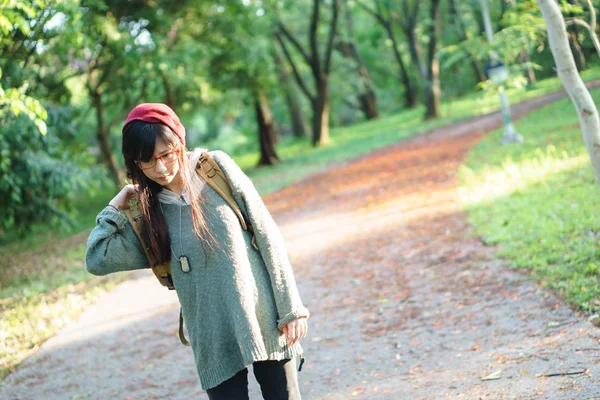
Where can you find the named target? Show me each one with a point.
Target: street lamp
(497, 72)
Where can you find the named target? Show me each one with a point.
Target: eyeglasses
(165, 158)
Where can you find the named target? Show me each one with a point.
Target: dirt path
(405, 304)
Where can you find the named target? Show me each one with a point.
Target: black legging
(277, 380)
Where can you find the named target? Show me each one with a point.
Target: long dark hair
(139, 140)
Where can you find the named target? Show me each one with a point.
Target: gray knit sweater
(235, 299)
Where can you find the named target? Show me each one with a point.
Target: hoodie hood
(167, 196)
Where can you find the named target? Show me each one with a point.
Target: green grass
(44, 283)
(538, 201)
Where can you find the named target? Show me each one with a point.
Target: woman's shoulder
(224, 160)
(218, 155)
(235, 175)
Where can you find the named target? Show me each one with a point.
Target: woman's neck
(176, 186)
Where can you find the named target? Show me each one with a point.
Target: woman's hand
(295, 330)
(121, 200)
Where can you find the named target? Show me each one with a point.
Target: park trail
(405, 302)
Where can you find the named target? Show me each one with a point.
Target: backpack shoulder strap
(212, 174)
(214, 177)
(163, 271)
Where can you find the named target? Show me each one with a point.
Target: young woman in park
(238, 297)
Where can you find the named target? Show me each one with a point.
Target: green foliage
(536, 201)
(39, 179)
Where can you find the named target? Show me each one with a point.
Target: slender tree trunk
(433, 92)
(411, 99)
(461, 31)
(576, 50)
(572, 82)
(368, 104)
(414, 49)
(530, 73)
(503, 9)
(266, 130)
(300, 126)
(169, 98)
(432, 84)
(320, 125)
(366, 99)
(103, 137)
(320, 68)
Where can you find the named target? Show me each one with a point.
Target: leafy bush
(39, 177)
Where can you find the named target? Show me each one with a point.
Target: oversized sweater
(235, 300)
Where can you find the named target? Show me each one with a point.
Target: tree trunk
(530, 73)
(298, 119)
(266, 131)
(366, 99)
(411, 98)
(572, 82)
(460, 30)
(576, 50)
(320, 123)
(432, 91)
(169, 98)
(414, 48)
(368, 104)
(103, 137)
(432, 84)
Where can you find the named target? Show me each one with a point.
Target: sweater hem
(228, 366)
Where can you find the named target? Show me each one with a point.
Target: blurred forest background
(245, 76)
(288, 88)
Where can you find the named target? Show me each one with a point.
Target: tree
(432, 78)
(572, 82)
(320, 69)
(300, 126)
(112, 79)
(384, 18)
(241, 59)
(38, 176)
(591, 27)
(349, 49)
(408, 20)
(462, 36)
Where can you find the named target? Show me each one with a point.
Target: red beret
(158, 113)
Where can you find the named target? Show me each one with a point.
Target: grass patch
(537, 202)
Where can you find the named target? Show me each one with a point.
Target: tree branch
(128, 105)
(294, 41)
(297, 76)
(374, 14)
(332, 31)
(593, 36)
(312, 38)
(592, 16)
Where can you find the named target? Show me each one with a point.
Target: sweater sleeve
(268, 239)
(113, 245)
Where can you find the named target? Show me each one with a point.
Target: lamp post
(498, 73)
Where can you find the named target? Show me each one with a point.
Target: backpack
(214, 177)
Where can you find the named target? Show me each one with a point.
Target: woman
(240, 304)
